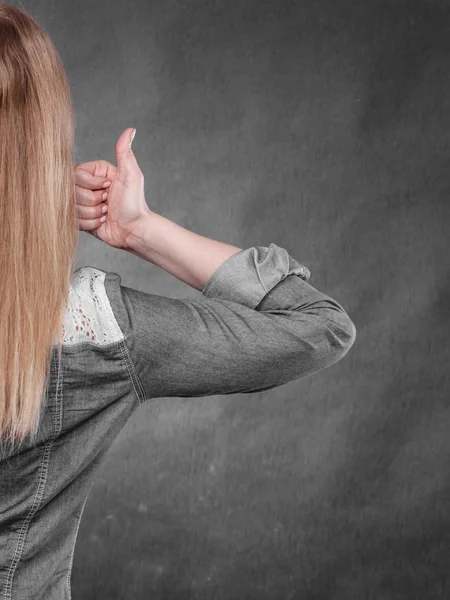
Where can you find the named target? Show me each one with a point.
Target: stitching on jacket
(132, 373)
(43, 473)
(69, 573)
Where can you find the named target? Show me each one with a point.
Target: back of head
(38, 220)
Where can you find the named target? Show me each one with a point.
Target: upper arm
(209, 346)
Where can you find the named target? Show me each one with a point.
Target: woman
(79, 352)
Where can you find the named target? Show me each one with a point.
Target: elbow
(342, 337)
(348, 335)
(337, 337)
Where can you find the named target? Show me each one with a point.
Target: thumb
(126, 161)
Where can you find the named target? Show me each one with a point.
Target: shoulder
(89, 315)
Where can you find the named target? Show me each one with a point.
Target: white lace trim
(89, 316)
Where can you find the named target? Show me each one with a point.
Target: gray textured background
(321, 126)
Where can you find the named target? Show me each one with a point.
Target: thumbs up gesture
(125, 200)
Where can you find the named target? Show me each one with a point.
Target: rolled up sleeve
(258, 324)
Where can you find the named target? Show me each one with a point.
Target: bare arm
(190, 257)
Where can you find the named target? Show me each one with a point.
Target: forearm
(190, 257)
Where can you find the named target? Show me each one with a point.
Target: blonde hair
(38, 220)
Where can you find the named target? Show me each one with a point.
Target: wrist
(139, 234)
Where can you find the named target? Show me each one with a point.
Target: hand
(125, 197)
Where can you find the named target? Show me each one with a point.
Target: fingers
(90, 208)
(91, 212)
(86, 197)
(90, 224)
(84, 179)
(97, 168)
(90, 179)
(91, 217)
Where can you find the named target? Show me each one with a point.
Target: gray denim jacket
(257, 325)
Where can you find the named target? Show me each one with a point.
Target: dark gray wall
(322, 126)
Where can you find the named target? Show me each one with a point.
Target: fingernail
(104, 208)
(102, 219)
(132, 138)
(105, 195)
(106, 184)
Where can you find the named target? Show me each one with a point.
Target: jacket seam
(69, 572)
(135, 381)
(37, 500)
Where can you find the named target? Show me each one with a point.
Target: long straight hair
(38, 220)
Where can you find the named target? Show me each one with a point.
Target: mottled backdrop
(321, 126)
